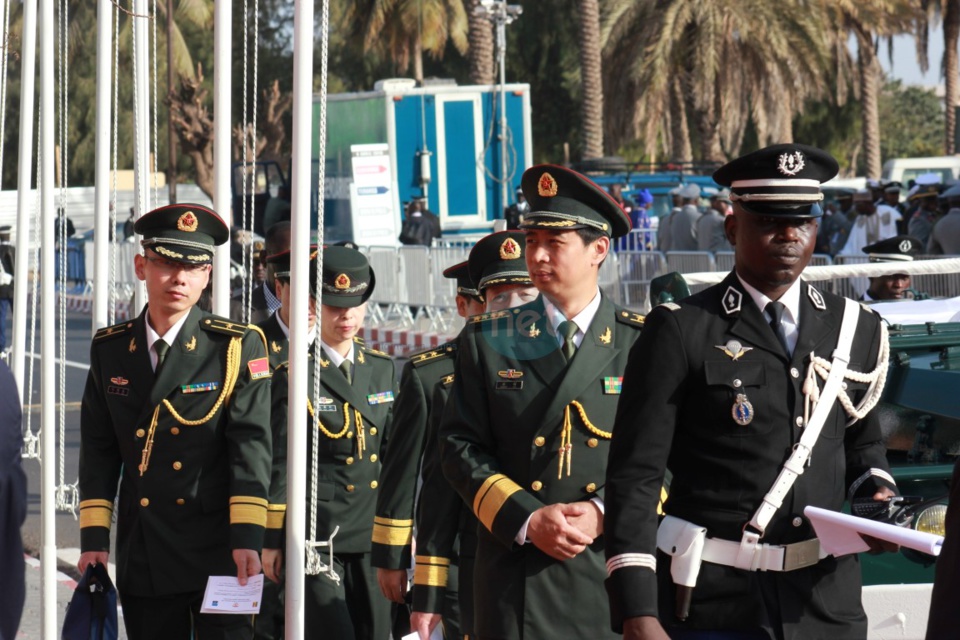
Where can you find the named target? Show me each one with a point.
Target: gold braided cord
(361, 434)
(263, 336)
(566, 436)
(597, 431)
(148, 445)
(357, 421)
(233, 373)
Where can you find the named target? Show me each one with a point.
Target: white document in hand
(839, 533)
(436, 635)
(224, 594)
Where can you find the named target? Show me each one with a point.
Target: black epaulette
(375, 352)
(494, 315)
(224, 326)
(114, 331)
(625, 316)
(447, 350)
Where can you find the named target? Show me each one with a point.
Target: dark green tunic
(499, 440)
(203, 491)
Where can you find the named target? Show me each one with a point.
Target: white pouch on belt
(683, 541)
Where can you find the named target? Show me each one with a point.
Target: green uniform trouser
(354, 609)
(268, 625)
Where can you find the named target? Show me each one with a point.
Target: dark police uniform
(710, 393)
(191, 444)
(13, 505)
(516, 402)
(354, 428)
(446, 528)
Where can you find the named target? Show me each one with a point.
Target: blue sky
(905, 65)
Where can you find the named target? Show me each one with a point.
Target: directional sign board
(372, 195)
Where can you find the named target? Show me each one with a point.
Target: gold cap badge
(547, 186)
(187, 222)
(509, 250)
(342, 281)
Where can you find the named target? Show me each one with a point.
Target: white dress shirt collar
(791, 315)
(169, 337)
(582, 319)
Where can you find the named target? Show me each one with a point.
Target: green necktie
(568, 329)
(347, 368)
(161, 347)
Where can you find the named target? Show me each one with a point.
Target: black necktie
(161, 347)
(568, 329)
(347, 368)
(775, 310)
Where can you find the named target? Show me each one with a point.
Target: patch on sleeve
(259, 368)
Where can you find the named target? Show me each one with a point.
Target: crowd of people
(559, 445)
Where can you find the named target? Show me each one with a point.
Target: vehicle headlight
(932, 520)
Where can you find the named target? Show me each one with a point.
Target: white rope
(314, 565)
(866, 269)
(4, 57)
(136, 100)
(156, 146)
(31, 442)
(256, 84)
(67, 495)
(112, 310)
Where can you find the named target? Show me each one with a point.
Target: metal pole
(222, 66)
(25, 201)
(502, 53)
(101, 214)
(48, 345)
(299, 280)
(141, 160)
(171, 136)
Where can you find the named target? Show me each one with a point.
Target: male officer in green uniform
(727, 389)
(177, 406)
(393, 524)
(354, 409)
(446, 528)
(525, 432)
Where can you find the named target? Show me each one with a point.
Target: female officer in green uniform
(357, 387)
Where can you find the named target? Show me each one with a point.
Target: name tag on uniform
(326, 404)
(118, 391)
(200, 387)
(510, 385)
(380, 398)
(612, 385)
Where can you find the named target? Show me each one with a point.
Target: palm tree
(738, 61)
(867, 21)
(591, 103)
(480, 34)
(949, 11)
(405, 29)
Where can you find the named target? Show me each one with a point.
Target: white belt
(751, 555)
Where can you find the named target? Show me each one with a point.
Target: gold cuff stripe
(276, 507)
(437, 560)
(253, 500)
(392, 536)
(427, 575)
(248, 514)
(96, 515)
(275, 519)
(84, 504)
(491, 497)
(390, 522)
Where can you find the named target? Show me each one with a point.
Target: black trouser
(178, 616)
(269, 622)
